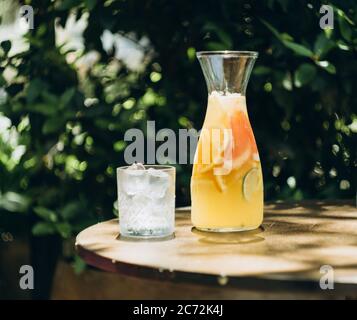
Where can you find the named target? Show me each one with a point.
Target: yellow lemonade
(227, 197)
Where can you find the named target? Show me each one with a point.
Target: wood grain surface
(286, 254)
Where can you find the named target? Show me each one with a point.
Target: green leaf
(287, 40)
(213, 45)
(34, 89)
(323, 45)
(68, 4)
(67, 97)
(191, 53)
(326, 65)
(79, 265)
(342, 45)
(345, 29)
(304, 74)
(52, 125)
(71, 210)
(42, 108)
(90, 4)
(43, 229)
(272, 29)
(64, 229)
(281, 36)
(262, 70)
(287, 81)
(343, 15)
(46, 214)
(299, 49)
(50, 99)
(331, 68)
(6, 45)
(14, 202)
(119, 146)
(2, 81)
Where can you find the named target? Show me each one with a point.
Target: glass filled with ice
(146, 201)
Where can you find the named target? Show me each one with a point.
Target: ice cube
(136, 166)
(134, 180)
(138, 215)
(159, 182)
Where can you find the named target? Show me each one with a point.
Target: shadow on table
(315, 206)
(243, 237)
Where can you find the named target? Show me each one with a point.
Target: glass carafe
(227, 181)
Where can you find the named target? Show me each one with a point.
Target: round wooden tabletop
(299, 247)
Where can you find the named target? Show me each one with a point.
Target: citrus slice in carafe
(251, 183)
(242, 135)
(214, 147)
(221, 183)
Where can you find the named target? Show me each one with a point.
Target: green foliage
(79, 265)
(13, 202)
(65, 121)
(304, 74)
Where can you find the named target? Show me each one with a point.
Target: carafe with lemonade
(227, 181)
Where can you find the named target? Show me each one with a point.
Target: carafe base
(226, 230)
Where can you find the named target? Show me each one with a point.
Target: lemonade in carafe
(227, 182)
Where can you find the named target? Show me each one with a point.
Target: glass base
(131, 237)
(225, 230)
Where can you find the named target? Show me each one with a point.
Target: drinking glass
(146, 201)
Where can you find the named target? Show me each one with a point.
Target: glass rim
(228, 53)
(160, 167)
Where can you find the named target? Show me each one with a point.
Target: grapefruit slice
(243, 136)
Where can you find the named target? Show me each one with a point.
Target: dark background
(70, 115)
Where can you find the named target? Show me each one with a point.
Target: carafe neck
(227, 72)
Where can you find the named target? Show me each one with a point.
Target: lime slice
(251, 183)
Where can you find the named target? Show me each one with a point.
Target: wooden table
(280, 260)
